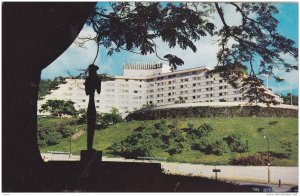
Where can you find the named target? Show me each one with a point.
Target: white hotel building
(151, 83)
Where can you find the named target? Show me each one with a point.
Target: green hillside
(251, 129)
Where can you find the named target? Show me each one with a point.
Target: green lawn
(253, 129)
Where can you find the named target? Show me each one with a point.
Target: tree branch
(155, 49)
(103, 15)
(246, 17)
(221, 14)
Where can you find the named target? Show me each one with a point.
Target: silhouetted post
(267, 137)
(92, 84)
(70, 145)
(216, 172)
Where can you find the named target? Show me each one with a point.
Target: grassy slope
(283, 128)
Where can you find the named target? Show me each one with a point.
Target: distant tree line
(47, 85)
(287, 99)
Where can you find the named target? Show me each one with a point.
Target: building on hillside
(151, 84)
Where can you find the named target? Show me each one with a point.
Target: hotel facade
(151, 84)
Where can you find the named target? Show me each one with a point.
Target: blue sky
(75, 58)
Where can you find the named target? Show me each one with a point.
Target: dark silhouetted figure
(92, 83)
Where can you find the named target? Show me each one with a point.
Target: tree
(136, 26)
(286, 145)
(111, 118)
(82, 114)
(219, 147)
(287, 99)
(236, 143)
(46, 86)
(201, 131)
(59, 108)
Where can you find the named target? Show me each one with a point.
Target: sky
(76, 58)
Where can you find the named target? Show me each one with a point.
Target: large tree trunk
(34, 35)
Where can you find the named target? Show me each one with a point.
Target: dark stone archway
(34, 35)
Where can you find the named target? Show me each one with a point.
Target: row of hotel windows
(151, 85)
(183, 80)
(183, 75)
(186, 92)
(194, 97)
(108, 107)
(194, 90)
(160, 89)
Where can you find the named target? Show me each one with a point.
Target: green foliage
(138, 144)
(176, 148)
(236, 143)
(286, 145)
(202, 131)
(261, 159)
(135, 27)
(82, 114)
(177, 142)
(51, 132)
(212, 112)
(287, 99)
(59, 108)
(222, 128)
(218, 147)
(46, 86)
(149, 137)
(197, 137)
(111, 118)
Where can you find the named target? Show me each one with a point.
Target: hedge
(207, 111)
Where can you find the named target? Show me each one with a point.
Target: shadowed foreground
(124, 177)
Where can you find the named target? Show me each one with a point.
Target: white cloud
(73, 59)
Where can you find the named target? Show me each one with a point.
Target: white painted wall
(287, 175)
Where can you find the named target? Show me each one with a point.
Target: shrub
(59, 108)
(176, 148)
(107, 119)
(202, 145)
(236, 143)
(261, 159)
(147, 138)
(201, 131)
(218, 147)
(139, 144)
(51, 130)
(286, 145)
(53, 138)
(82, 116)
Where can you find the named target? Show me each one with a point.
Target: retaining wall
(287, 175)
(188, 111)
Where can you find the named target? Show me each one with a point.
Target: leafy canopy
(136, 27)
(59, 108)
(46, 86)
